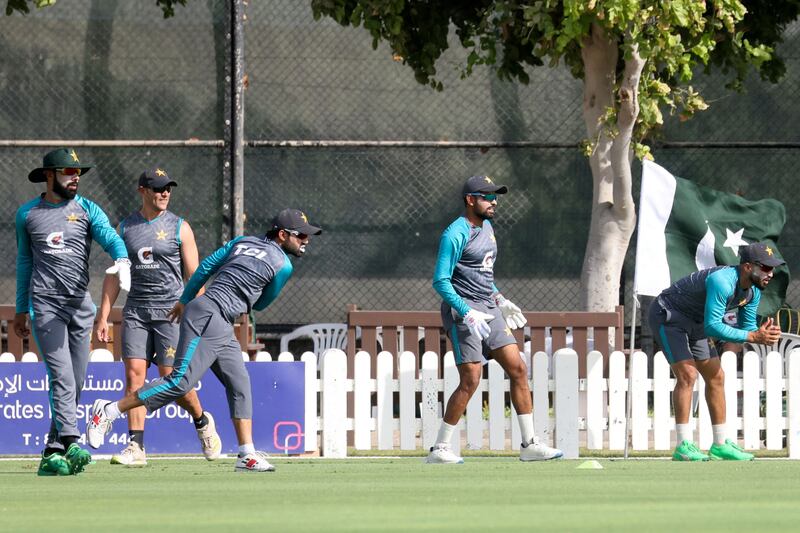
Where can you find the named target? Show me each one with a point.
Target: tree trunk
(613, 211)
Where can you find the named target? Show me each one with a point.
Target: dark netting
(112, 70)
(126, 73)
(383, 211)
(319, 80)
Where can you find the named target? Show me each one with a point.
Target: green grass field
(403, 494)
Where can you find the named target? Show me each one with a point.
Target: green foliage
(674, 37)
(21, 6)
(168, 6)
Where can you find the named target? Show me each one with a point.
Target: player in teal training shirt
(721, 303)
(54, 238)
(479, 320)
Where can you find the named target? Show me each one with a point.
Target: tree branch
(621, 154)
(599, 54)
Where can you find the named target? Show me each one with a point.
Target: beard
(291, 249)
(759, 281)
(63, 192)
(486, 214)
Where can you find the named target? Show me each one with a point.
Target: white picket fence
(588, 411)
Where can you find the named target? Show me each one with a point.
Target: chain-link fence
(104, 70)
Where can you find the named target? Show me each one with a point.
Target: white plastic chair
(784, 346)
(29, 357)
(7, 357)
(324, 336)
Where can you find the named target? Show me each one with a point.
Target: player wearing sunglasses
(249, 274)
(163, 253)
(54, 237)
(719, 302)
(479, 320)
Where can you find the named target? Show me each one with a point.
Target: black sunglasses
(159, 190)
(765, 268)
(301, 236)
(489, 197)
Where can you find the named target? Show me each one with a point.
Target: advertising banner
(278, 409)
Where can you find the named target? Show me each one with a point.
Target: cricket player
(163, 254)
(693, 309)
(250, 273)
(479, 320)
(54, 238)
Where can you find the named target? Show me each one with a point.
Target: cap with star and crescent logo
(482, 184)
(60, 158)
(296, 220)
(760, 253)
(155, 178)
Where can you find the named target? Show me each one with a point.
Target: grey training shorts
(469, 348)
(148, 334)
(679, 337)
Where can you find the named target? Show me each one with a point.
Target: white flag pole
(629, 402)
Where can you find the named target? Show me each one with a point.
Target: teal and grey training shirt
(250, 273)
(465, 265)
(708, 295)
(53, 245)
(154, 247)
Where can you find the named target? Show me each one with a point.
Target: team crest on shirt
(487, 265)
(731, 318)
(170, 353)
(161, 235)
(72, 217)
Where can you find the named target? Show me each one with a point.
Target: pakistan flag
(684, 227)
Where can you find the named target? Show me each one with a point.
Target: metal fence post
(233, 130)
(237, 118)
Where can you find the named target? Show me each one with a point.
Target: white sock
(684, 432)
(244, 449)
(112, 410)
(720, 432)
(445, 433)
(526, 427)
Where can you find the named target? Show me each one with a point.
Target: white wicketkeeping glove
(122, 268)
(512, 314)
(478, 323)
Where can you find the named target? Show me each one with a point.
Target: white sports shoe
(537, 451)
(132, 455)
(99, 424)
(442, 454)
(253, 462)
(209, 439)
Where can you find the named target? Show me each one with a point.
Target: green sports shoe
(688, 451)
(77, 458)
(53, 465)
(730, 451)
